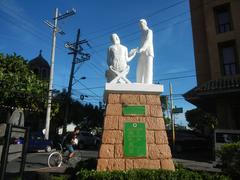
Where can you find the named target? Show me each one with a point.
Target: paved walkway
(196, 165)
(37, 164)
(189, 164)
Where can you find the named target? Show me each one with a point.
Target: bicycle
(57, 158)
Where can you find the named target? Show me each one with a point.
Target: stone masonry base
(111, 155)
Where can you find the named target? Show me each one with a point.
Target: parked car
(38, 142)
(14, 140)
(186, 140)
(86, 139)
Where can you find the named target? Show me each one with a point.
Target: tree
(19, 86)
(165, 106)
(200, 120)
(86, 116)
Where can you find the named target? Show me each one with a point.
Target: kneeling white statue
(117, 59)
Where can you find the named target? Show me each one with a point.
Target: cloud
(12, 12)
(15, 16)
(177, 69)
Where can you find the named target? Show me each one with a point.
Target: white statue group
(118, 57)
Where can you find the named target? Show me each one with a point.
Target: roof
(219, 86)
(39, 61)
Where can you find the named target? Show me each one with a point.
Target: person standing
(145, 62)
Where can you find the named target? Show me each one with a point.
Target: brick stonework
(156, 111)
(114, 98)
(150, 137)
(130, 99)
(111, 154)
(142, 99)
(111, 122)
(112, 137)
(146, 164)
(153, 123)
(116, 164)
(153, 99)
(167, 164)
(161, 137)
(106, 151)
(114, 110)
(118, 151)
(129, 164)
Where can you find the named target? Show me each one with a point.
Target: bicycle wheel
(55, 159)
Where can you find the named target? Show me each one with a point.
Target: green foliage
(59, 177)
(230, 159)
(199, 119)
(20, 87)
(89, 164)
(164, 103)
(86, 116)
(167, 120)
(148, 174)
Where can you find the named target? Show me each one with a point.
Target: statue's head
(115, 39)
(143, 24)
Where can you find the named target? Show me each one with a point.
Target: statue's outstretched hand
(133, 51)
(141, 50)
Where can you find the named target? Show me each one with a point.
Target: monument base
(134, 135)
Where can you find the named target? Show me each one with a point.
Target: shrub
(148, 174)
(229, 155)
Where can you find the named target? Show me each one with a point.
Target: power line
(135, 20)
(89, 89)
(96, 67)
(154, 13)
(26, 26)
(156, 31)
(166, 20)
(180, 77)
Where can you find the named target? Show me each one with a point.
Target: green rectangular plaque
(133, 110)
(134, 139)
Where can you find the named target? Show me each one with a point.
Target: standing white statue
(117, 59)
(145, 62)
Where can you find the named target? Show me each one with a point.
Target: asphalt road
(38, 161)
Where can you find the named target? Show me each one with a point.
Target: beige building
(216, 37)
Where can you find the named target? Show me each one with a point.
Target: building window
(229, 59)
(223, 18)
(44, 74)
(236, 116)
(36, 71)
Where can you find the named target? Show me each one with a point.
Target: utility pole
(76, 49)
(172, 118)
(55, 31)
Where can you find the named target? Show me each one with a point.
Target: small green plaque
(133, 110)
(134, 139)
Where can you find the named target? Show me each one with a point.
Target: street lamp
(82, 78)
(68, 99)
(83, 96)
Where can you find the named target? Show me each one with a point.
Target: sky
(24, 32)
